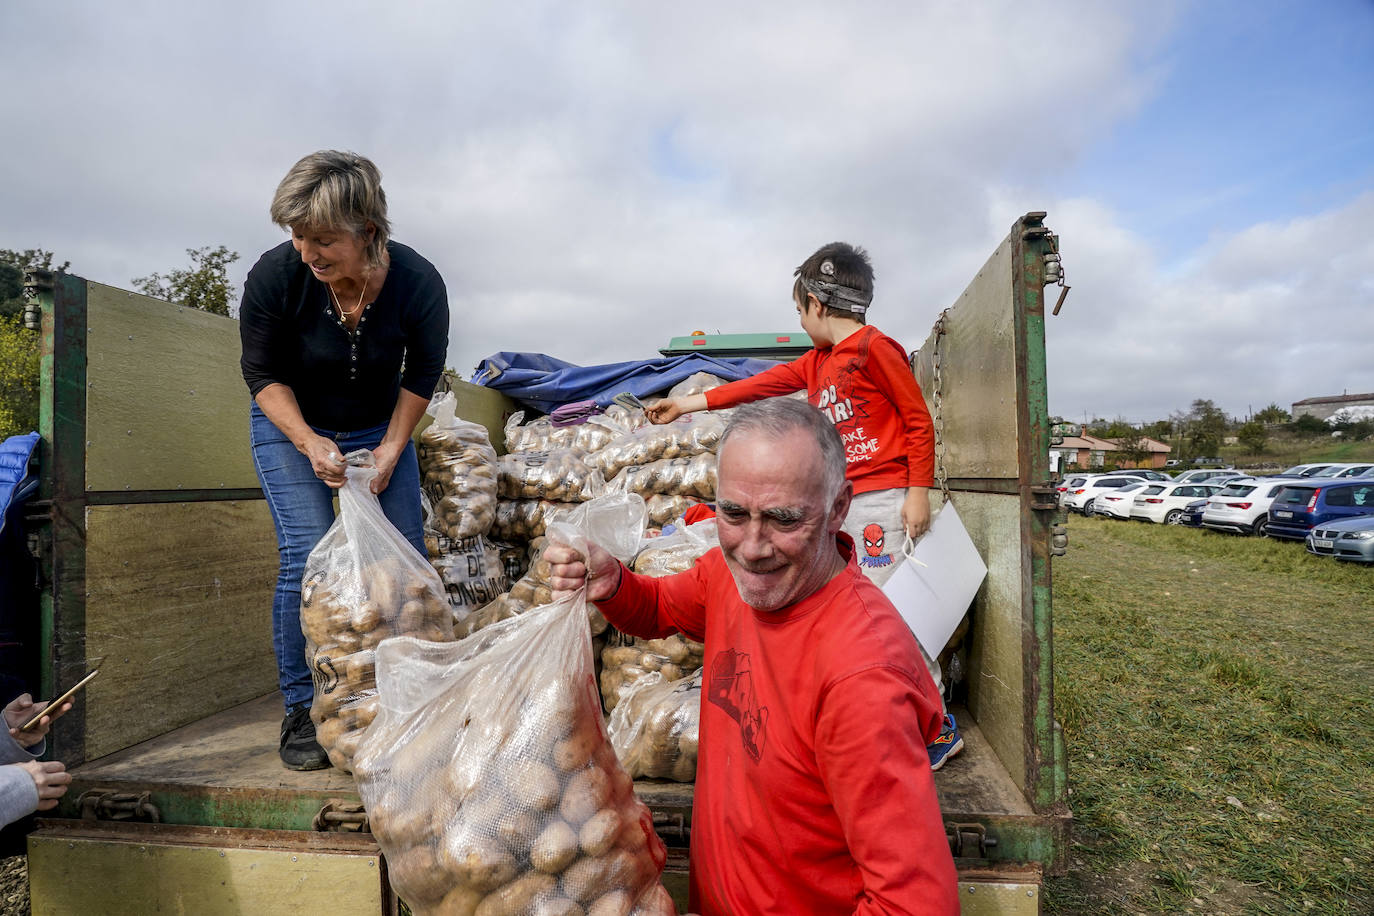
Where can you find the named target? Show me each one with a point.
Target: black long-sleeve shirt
(343, 381)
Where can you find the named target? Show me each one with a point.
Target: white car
(1081, 496)
(1117, 503)
(1243, 505)
(1210, 476)
(1165, 505)
(1337, 471)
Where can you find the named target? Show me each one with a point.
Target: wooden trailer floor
(235, 752)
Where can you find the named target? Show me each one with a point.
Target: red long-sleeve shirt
(865, 386)
(814, 792)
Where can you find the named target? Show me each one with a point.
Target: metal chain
(938, 395)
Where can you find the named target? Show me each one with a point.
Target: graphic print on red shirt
(732, 689)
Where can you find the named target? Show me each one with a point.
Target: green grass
(1217, 698)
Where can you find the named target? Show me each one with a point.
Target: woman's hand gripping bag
(491, 785)
(363, 582)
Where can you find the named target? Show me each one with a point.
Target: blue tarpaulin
(545, 383)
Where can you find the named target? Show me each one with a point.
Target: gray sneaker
(299, 749)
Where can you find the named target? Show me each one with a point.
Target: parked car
(1349, 539)
(1165, 505)
(1117, 503)
(1304, 470)
(1302, 505)
(1211, 476)
(1172, 463)
(1081, 497)
(1243, 505)
(1146, 473)
(1192, 513)
(1337, 471)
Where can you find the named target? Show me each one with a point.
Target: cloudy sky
(594, 178)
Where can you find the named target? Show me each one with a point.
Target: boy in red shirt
(859, 378)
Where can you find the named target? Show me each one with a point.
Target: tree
(1253, 436)
(18, 377)
(1308, 425)
(1202, 427)
(1272, 415)
(1131, 449)
(206, 286)
(13, 264)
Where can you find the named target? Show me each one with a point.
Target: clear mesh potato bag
(458, 467)
(694, 476)
(491, 785)
(557, 475)
(656, 726)
(363, 582)
(541, 435)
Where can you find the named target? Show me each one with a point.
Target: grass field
(1217, 699)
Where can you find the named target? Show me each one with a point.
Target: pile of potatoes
(656, 727)
(626, 660)
(558, 475)
(524, 519)
(458, 473)
(343, 625)
(501, 794)
(530, 591)
(541, 435)
(695, 476)
(686, 436)
(663, 508)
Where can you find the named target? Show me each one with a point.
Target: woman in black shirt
(344, 338)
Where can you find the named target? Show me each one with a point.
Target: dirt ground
(14, 886)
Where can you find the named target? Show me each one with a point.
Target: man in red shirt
(814, 793)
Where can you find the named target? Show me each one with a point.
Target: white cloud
(592, 179)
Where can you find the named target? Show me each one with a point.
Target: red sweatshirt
(864, 385)
(814, 793)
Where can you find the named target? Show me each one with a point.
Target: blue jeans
(302, 508)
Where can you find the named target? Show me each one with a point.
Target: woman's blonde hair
(332, 189)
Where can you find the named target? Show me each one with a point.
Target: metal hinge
(673, 827)
(1044, 498)
(1059, 541)
(104, 805)
(964, 838)
(341, 817)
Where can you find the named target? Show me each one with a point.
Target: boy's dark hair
(840, 276)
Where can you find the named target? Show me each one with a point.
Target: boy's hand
(569, 571)
(21, 709)
(916, 512)
(51, 779)
(669, 409)
(665, 411)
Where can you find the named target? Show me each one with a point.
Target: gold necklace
(339, 305)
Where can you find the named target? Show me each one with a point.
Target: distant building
(1087, 451)
(1324, 408)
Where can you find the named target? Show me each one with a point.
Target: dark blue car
(1300, 505)
(1192, 513)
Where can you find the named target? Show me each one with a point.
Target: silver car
(1348, 539)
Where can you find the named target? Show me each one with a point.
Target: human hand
(21, 709)
(916, 512)
(384, 458)
(51, 779)
(664, 411)
(568, 571)
(325, 460)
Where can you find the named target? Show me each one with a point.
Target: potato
(555, 848)
(573, 752)
(532, 783)
(587, 792)
(558, 906)
(517, 829)
(461, 901)
(599, 833)
(416, 875)
(477, 862)
(616, 903)
(517, 896)
(585, 879)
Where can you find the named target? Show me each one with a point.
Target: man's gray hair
(334, 190)
(776, 417)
